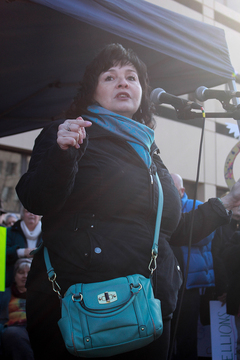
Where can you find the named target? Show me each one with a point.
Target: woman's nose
(123, 83)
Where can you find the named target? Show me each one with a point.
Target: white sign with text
(223, 333)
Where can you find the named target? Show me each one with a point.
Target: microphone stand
(187, 114)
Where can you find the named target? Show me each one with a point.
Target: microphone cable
(190, 239)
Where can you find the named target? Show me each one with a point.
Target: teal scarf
(139, 136)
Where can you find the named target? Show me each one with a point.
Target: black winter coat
(226, 261)
(99, 205)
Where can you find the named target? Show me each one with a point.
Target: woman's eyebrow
(127, 70)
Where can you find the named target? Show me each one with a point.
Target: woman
(92, 177)
(10, 219)
(15, 339)
(22, 238)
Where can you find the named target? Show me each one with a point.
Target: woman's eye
(131, 78)
(108, 78)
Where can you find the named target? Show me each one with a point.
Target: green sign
(3, 241)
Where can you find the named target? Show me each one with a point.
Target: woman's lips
(122, 95)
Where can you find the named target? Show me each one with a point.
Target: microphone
(159, 96)
(202, 94)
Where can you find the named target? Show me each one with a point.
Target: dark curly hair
(112, 55)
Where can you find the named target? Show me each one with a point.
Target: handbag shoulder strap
(159, 215)
(152, 265)
(153, 262)
(51, 273)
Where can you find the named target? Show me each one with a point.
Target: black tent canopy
(46, 44)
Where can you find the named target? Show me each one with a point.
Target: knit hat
(21, 263)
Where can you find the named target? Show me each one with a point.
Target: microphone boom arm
(188, 115)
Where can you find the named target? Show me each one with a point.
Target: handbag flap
(104, 295)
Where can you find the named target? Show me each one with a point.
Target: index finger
(80, 122)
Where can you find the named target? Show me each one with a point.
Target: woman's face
(30, 220)
(21, 277)
(119, 90)
(10, 221)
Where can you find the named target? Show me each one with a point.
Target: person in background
(200, 276)
(15, 344)
(93, 178)
(23, 237)
(10, 219)
(226, 261)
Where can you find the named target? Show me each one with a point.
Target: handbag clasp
(107, 297)
(153, 262)
(56, 288)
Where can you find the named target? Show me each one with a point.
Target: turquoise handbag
(110, 317)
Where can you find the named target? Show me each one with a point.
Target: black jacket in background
(226, 261)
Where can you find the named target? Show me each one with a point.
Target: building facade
(179, 141)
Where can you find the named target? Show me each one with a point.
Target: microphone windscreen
(199, 93)
(155, 95)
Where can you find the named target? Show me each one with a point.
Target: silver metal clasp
(153, 262)
(56, 288)
(107, 297)
(138, 286)
(77, 297)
